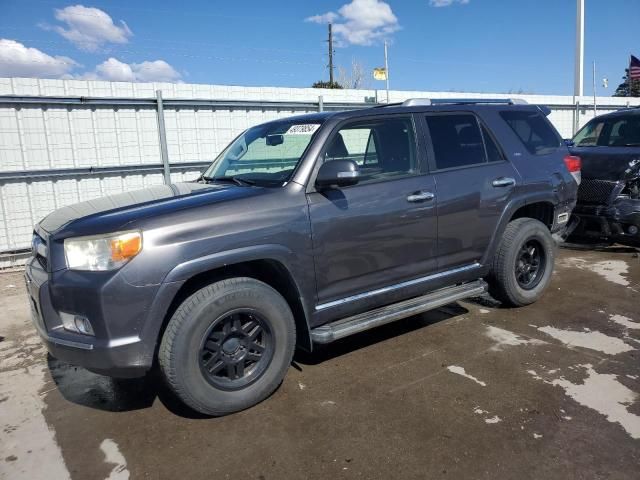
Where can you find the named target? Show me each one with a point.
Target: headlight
(102, 252)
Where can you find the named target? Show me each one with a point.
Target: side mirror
(273, 140)
(338, 173)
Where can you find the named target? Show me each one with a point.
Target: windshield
(610, 132)
(264, 155)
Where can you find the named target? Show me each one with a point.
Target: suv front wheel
(523, 263)
(228, 346)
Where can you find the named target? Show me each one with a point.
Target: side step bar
(380, 316)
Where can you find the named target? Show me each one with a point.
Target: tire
(242, 323)
(509, 274)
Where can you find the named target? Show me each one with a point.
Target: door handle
(504, 182)
(420, 197)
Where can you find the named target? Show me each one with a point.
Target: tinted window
(456, 140)
(382, 148)
(493, 151)
(611, 132)
(536, 134)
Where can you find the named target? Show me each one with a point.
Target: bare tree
(356, 77)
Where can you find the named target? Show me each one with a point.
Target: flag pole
(595, 108)
(386, 68)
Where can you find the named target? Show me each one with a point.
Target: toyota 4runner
(303, 231)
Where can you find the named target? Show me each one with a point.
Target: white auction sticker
(303, 129)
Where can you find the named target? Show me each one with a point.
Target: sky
(496, 46)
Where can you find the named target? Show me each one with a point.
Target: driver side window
(382, 148)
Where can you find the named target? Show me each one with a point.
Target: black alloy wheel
(530, 264)
(236, 349)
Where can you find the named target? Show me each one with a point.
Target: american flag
(634, 68)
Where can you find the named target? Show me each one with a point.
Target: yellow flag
(380, 73)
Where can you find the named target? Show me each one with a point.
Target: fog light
(76, 323)
(632, 230)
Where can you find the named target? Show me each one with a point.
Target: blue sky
(462, 45)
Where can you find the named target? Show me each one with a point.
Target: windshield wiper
(229, 179)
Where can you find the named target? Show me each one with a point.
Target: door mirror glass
(337, 173)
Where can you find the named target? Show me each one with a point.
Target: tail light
(574, 165)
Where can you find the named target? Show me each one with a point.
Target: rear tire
(228, 346)
(523, 263)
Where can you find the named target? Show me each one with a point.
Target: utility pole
(330, 56)
(578, 89)
(386, 68)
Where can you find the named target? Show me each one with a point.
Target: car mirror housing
(337, 173)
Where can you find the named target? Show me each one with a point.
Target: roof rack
(413, 102)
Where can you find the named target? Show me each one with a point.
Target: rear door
(474, 182)
(383, 230)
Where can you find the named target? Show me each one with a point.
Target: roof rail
(414, 102)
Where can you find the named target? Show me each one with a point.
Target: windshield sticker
(303, 129)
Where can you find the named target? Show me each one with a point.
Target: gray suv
(303, 231)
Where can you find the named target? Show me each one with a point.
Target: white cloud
(17, 60)
(114, 70)
(89, 28)
(328, 17)
(360, 22)
(446, 3)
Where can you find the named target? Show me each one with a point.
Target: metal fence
(63, 142)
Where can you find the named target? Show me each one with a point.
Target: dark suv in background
(303, 231)
(609, 197)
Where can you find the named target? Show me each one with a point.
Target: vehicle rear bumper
(119, 347)
(618, 222)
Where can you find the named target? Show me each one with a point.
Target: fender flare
(182, 272)
(514, 205)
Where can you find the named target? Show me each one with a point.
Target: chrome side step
(380, 316)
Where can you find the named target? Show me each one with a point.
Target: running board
(380, 316)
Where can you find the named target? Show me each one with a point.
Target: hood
(125, 207)
(609, 163)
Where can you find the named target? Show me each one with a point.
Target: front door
(383, 230)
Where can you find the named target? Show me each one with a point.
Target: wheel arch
(263, 264)
(538, 206)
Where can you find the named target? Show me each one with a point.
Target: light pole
(578, 87)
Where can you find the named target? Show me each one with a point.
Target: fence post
(320, 103)
(162, 133)
(576, 117)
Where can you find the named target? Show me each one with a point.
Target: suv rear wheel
(228, 346)
(523, 263)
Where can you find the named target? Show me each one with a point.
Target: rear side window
(538, 137)
(456, 140)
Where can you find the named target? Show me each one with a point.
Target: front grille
(596, 191)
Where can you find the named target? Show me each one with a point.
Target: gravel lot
(471, 390)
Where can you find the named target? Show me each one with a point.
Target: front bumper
(124, 319)
(618, 222)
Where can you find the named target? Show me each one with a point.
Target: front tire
(523, 263)
(228, 346)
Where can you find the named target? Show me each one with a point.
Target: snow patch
(593, 340)
(611, 270)
(603, 393)
(494, 419)
(113, 456)
(460, 371)
(624, 321)
(484, 310)
(506, 338)
(537, 436)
